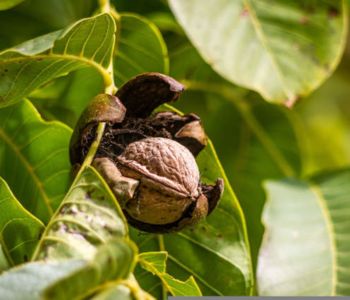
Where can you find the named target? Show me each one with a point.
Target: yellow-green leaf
(155, 262)
(87, 43)
(70, 278)
(306, 250)
(282, 49)
(88, 216)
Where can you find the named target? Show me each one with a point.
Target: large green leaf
(306, 250)
(20, 231)
(69, 278)
(112, 261)
(141, 48)
(24, 68)
(88, 216)
(29, 280)
(34, 158)
(215, 252)
(155, 262)
(282, 49)
(88, 225)
(255, 140)
(254, 144)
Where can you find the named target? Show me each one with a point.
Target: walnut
(168, 176)
(148, 160)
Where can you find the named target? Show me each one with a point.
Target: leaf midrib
(263, 40)
(80, 58)
(65, 58)
(331, 232)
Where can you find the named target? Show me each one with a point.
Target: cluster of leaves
(68, 238)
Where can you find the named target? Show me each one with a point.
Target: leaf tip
(290, 102)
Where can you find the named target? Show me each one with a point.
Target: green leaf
(255, 140)
(126, 290)
(141, 48)
(216, 251)
(155, 262)
(166, 23)
(90, 226)
(34, 158)
(259, 143)
(24, 68)
(7, 4)
(306, 247)
(113, 260)
(67, 279)
(263, 144)
(20, 231)
(88, 216)
(282, 49)
(28, 281)
(65, 98)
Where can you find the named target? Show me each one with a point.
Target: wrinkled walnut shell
(168, 176)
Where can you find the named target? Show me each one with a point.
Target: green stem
(110, 87)
(105, 6)
(94, 146)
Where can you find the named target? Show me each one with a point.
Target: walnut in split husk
(148, 160)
